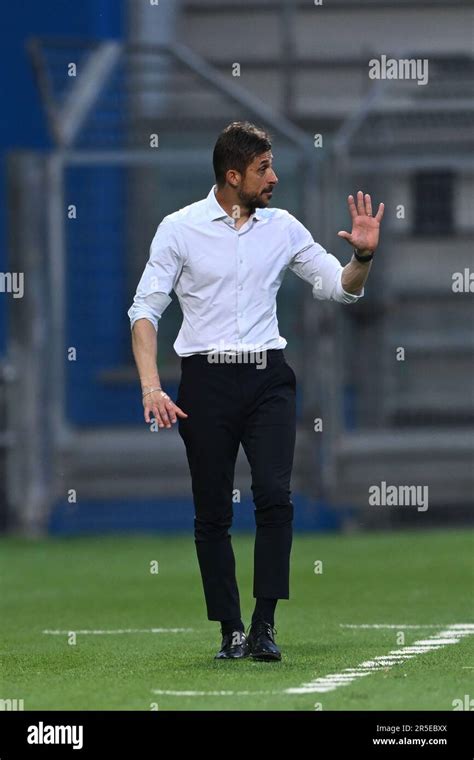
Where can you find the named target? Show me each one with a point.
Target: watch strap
(363, 259)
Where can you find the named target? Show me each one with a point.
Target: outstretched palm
(365, 227)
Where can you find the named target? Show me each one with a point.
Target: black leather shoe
(261, 642)
(234, 646)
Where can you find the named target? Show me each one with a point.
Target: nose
(273, 178)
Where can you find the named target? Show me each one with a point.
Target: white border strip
(188, 693)
(120, 630)
(400, 626)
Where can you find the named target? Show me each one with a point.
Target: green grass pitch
(106, 583)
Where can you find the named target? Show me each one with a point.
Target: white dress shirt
(227, 279)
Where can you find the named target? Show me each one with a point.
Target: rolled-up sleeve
(315, 265)
(159, 277)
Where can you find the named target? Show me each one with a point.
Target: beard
(251, 201)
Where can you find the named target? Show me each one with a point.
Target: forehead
(262, 158)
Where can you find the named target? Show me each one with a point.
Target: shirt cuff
(342, 295)
(153, 320)
(150, 307)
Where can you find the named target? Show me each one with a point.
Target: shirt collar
(215, 210)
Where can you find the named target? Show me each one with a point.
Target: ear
(233, 177)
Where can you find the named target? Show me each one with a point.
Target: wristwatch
(363, 259)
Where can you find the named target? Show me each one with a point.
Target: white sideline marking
(121, 630)
(431, 642)
(468, 627)
(383, 662)
(172, 693)
(415, 650)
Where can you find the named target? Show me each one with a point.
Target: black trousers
(228, 404)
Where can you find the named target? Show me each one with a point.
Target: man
(225, 257)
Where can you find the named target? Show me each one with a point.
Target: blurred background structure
(114, 109)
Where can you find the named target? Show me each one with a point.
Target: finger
(352, 206)
(345, 235)
(379, 213)
(164, 415)
(170, 409)
(180, 412)
(150, 413)
(360, 203)
(368, 205)
(157, 416)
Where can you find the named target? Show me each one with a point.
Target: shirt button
(240, 287)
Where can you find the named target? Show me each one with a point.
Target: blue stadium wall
(23, 123)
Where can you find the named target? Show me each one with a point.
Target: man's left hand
(365, 227)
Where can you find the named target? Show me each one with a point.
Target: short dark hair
(237, 146)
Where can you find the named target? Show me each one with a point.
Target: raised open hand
(365, 227)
